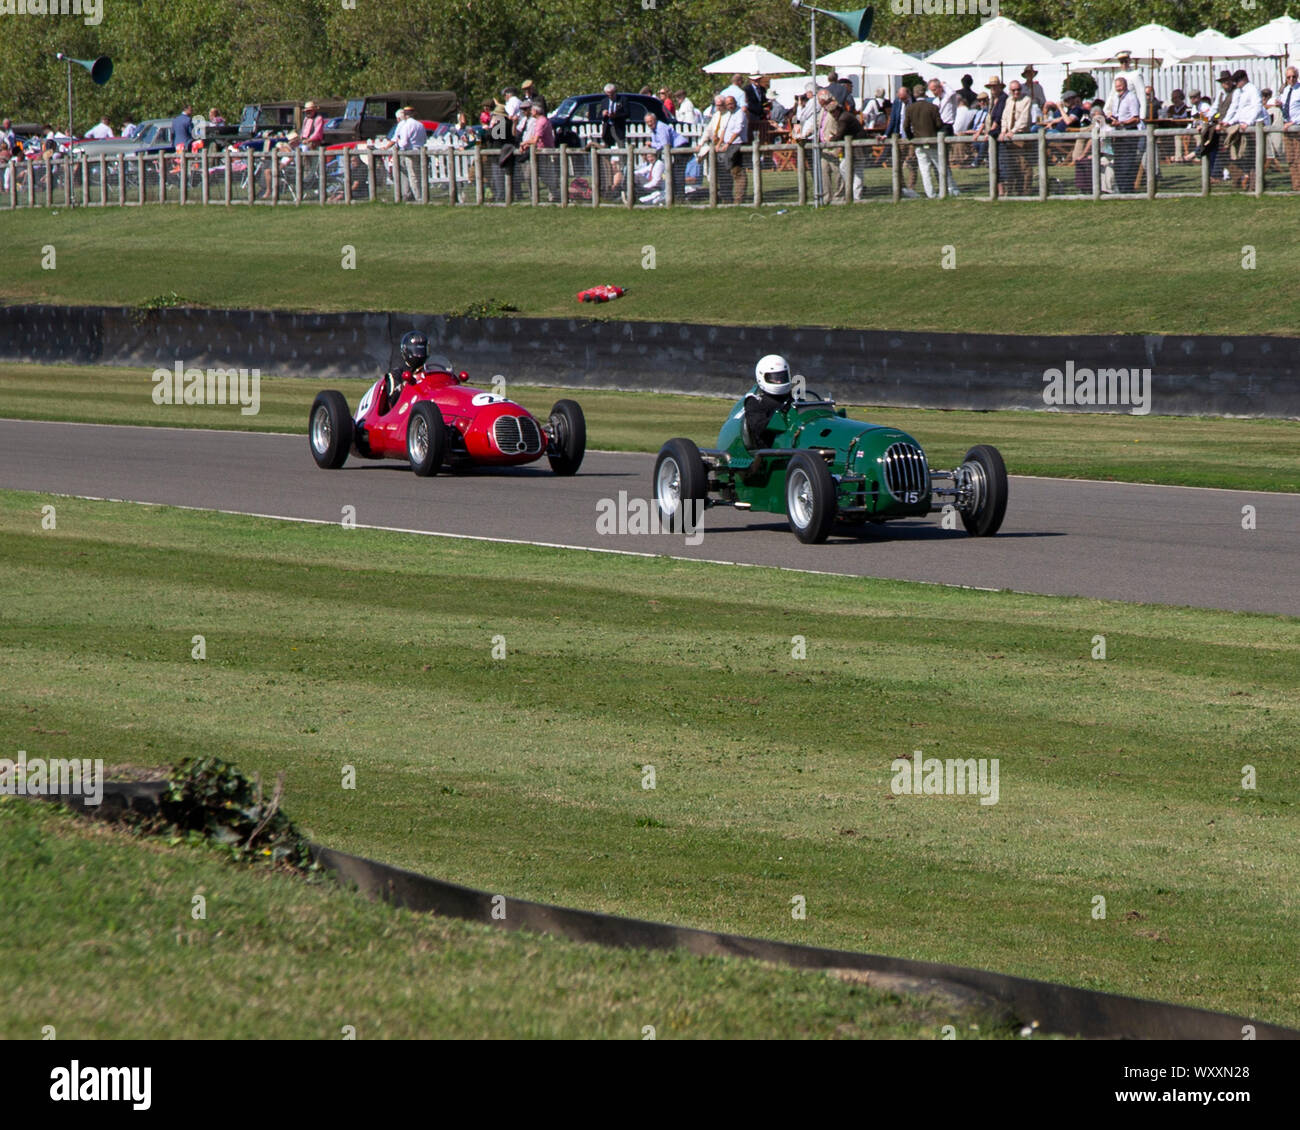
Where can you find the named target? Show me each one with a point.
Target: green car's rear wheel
(809, 497)
(681, 485)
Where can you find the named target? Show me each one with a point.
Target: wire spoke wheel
(799, 500)
(669, 486)
(419, 442)
(321, 430)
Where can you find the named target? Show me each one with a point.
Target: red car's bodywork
(471, 417)
(438, 420)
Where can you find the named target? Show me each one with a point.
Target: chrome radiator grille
(905, 470)
(517, 435)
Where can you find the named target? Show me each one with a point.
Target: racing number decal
(364, 406)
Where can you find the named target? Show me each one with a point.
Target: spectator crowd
(998, 119)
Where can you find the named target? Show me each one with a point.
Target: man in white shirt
(947, 101)
(964, 123)
(1246, 108)
(649, 175)
(734, 136)
(410, 132)
(1288, 100)
(735, 89)
(711, 138)
(1135, 82)
(1126, 115)
(873, 109)
(409, 135)
(806, 115)
(100, 131)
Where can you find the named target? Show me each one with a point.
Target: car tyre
(989, 473)
(329, 428)
(809, 497)
(426, 439)
(680, 477)
(566, 437)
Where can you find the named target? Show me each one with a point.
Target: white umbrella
(1153, 41)
(883, 60)
(752, 60)
(1208, 45)
(1274, 37)
(999, 41)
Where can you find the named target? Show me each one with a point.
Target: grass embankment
(1167, 267)
(99, 943)
(523, 774)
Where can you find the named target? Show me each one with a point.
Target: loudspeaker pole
(817, 132)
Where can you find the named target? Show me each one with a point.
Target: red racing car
(432, 418)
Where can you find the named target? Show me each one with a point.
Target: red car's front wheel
(566, 437)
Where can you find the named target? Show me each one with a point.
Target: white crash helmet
(773, 374)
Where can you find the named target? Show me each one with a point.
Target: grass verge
(99, 943)
(1060, 267)
(524, 774)
(1197, 451)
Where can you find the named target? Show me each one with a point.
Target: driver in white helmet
(772, 395)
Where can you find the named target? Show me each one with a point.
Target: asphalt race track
(1170, 545)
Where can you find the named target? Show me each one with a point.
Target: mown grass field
(99, 943)
(1120, 778)
(1168, 266)
(1187, 451)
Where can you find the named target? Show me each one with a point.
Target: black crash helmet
(415, 349)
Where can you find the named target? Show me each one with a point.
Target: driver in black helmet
(415, 352)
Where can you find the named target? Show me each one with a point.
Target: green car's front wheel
(809, 497)
(987, 476)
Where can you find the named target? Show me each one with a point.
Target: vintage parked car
(585, 109)
(263, 120)
(376, 114)
(154, 136)
(439, 420)
(821, 467)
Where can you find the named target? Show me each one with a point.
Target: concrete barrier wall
(1231, 376)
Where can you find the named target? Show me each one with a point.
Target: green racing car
(816, 466)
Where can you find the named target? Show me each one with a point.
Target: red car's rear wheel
(330, 430)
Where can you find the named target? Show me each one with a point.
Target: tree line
(226, 53)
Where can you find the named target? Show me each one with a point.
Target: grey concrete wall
(1235, 376)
